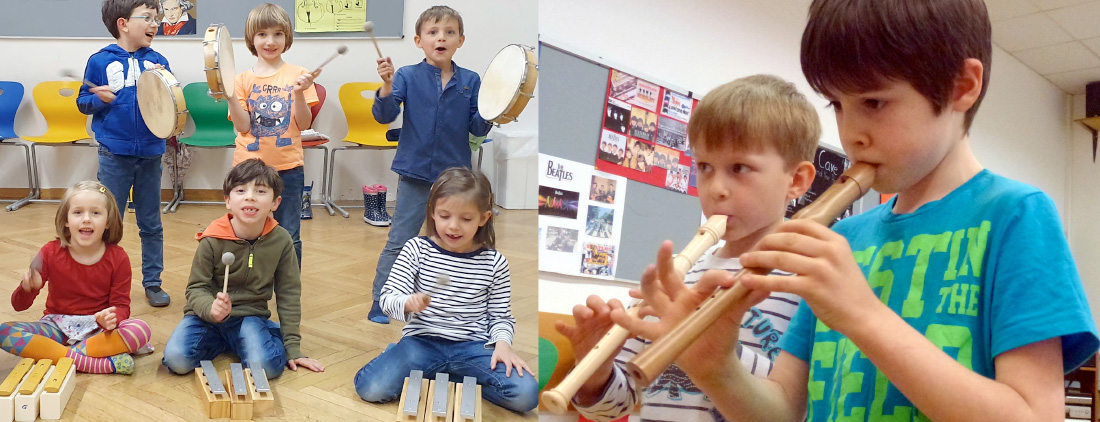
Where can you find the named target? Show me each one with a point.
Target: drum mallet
(70, 74)
(341, 50)
(227, 259)
(369, 27)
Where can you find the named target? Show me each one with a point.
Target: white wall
(489, 26)
(1021, 130)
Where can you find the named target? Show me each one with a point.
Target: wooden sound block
(240, 407)
(52, 404)
(428, 415)
(26, 400)
(216, 405)
(423, 400)
(263, 403)
(456, 414)
(10, 385)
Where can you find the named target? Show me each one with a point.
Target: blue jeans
(408, 217)
(121, 172)
(289, 213)
(253, 339)
(380, 380)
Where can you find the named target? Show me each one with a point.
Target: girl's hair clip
(102, 189)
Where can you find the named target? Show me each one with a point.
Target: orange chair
(363, 131)
(65, 124)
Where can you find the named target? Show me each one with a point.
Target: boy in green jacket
(264, 262)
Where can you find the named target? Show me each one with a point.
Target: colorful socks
(121, 363)
(130, 335)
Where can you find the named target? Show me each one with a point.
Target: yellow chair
(363, 131)
(65, 124)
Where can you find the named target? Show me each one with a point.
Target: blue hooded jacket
(118, 126)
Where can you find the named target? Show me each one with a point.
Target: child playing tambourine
(87, 316)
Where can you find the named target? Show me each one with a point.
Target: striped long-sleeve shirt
(673, 396)
(473, 305)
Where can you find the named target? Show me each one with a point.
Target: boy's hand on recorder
(669, 299)
(104, 93)
(826, 274)
(503, 353)
(219, 310)
(107, 319)
(417, 302)
(32, 281)
(593, 320)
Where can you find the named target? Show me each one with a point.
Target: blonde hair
(757, 112)
(112, 234)
(473, 186)
(267, 15)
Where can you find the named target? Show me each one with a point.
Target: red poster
(644, 134)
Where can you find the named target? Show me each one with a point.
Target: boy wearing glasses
(129, 154)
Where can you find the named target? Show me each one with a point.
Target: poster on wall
(829, 164)
(579, 217)
(329, 15)
(644, 133)
(180, 17)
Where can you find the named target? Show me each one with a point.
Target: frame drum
(218, 60)
(508, 84)
(160, 101)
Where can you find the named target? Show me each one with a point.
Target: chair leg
(170, 205)
(331, 167)
(30, 179)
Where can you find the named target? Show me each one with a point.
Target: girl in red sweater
(87, 316)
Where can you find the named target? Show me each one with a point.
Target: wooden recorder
(557, 399)
(651, 362)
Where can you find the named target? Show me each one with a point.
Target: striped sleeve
(401, 283)
(620, 395)
(501, 322)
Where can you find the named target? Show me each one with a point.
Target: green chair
(212, 128)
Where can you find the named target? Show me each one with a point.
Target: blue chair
(11, 94)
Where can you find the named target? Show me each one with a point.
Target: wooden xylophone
(439, 400)
(32, 390)
(247, 395)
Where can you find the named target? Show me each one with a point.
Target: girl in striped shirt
(453, 291)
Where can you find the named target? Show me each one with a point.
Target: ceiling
(1059, 39)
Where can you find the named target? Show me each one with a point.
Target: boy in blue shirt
(957, 300)
(440, 112)
(129, 154)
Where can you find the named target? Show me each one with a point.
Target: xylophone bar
(440, 397)
(439, 404)
(26, 400)
(215, 384)
(236, 371)
(215, 399)
(414, 391)
(467, 401)
(61, 382)
(412, 403)
(240, 407)
(263, 402)
(261, 378)
(9, 387)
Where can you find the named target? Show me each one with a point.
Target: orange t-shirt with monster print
(275, 136)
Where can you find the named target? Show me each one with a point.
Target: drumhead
(156, 103)
(226, 65)
(501, 82)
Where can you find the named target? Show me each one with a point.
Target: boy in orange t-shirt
(271, 109)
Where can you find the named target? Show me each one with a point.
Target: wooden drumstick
(557, 399)
(72, 75)
(369, 28)
(227, 259)
(651, 362)
(341, 50)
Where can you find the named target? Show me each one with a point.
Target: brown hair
(757, 112)
(253, 170)
(439, 13)
(112, 10)
(858, 45)
(264, 16)
(112, 233)
(475, 187)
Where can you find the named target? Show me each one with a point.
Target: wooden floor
(339, 264)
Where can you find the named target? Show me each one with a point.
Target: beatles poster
(580, 221)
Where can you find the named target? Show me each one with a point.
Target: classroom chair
(65, 124)
(325, 201)
(11, 94)
(213, 129)
(363, 131)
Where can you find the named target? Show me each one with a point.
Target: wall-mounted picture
(664, 157)
(612, 147)
(676, 106)
(598, 259)
(672, 133)
(643, 124)
(179, 17)
(617, 116)
(599, 222)
(561, 239)
(677, 178)
(603, 190)
(558, 202)
(639, 155)
(623, 86)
